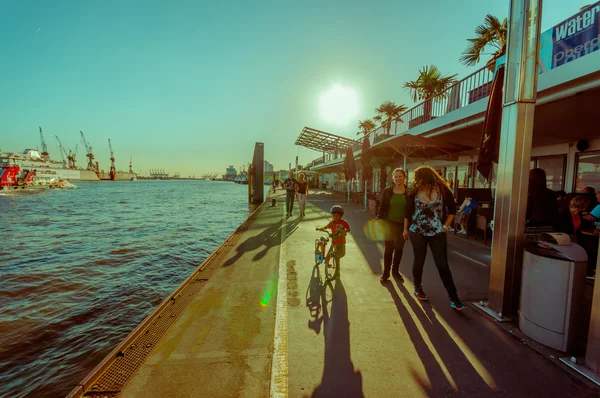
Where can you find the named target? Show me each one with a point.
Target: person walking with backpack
(290, 193)
(302, 192)
(391, 212)
(430, 209)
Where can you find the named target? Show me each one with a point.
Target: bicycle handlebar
(330, 234)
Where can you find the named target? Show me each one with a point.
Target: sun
(339, 105)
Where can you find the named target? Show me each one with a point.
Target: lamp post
(520, 90)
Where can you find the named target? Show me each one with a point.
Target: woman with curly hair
(430, 209)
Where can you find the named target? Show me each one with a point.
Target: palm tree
(388, 112)
(366, 126)
(430, 85)
(491, 33)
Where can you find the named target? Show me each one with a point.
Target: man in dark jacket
(290, 193)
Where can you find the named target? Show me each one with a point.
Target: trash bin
(552, 291)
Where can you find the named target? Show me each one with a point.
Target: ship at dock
(230, 174)
(45, 167)
(66, 169)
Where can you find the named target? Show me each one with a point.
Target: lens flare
(268, 293)
(375, 230)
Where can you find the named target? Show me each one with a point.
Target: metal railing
(470, 89)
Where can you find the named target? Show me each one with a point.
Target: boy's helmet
(337, 209)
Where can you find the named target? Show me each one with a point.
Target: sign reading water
(572, 38)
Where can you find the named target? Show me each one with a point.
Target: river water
(80, 269)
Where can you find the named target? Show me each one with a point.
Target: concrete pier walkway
(351, 338)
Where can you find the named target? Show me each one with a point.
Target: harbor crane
(130, 161)
(63, 153)
(72, 157)
(90, 154)
(113, 169)
(71, 162)
(44, 146)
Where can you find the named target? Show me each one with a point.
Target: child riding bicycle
(339, 227)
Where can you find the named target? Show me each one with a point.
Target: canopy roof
(414, 146)
(324, 142)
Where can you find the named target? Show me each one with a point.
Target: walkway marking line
(471, 259)
(279, 366)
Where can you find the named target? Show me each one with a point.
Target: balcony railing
(472, 88)
(466, 91)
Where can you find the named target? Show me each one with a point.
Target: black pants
(439, 248)
(289, 201)
(394, 245)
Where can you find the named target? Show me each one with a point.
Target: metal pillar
(250, 183)
(520, 89)
(365, 198)
(258, 181)
(348, 190)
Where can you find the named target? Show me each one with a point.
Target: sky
(191, 86)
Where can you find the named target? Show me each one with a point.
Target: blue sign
(571, 39)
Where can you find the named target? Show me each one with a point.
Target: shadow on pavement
(453, 374)
(319, 295)
(339, 377)
(269, 238)
(461, 353)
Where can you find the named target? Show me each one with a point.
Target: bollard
(273, 202)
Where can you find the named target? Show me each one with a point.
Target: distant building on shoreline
(230, 173)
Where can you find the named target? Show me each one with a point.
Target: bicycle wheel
(332, 269)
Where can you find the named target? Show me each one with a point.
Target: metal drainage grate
(112, 381)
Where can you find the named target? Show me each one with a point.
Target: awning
(416, 147)
(325, 142)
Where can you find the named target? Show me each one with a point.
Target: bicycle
(332, 270)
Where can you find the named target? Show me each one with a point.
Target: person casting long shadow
(391, 212)
(430, 209)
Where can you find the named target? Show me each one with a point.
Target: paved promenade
(352, 338)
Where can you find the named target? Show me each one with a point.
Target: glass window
(479, 181)
(588, 171)
(554, 166)
(462, 176)
(441, 171)
(450, 174)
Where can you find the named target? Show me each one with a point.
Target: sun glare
(339, 105)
